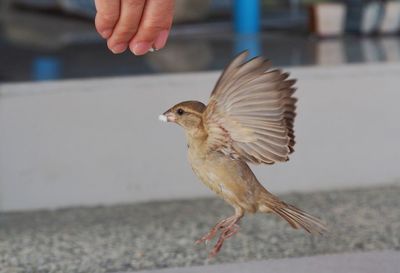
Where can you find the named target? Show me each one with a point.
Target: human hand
(141, 25)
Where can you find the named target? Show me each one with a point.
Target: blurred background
(55, 39)
(90, 181)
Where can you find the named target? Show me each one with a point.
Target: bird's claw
(205, 239)
(199, 241)
(208, 237)
(225, 234)
(228, 228)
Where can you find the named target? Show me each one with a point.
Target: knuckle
(153, 27)
(109, 18)
(127, 29)
(156, 24)
(134, 3)
(123, 35)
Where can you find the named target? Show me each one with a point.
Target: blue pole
(252, 43)
(46, 68)
(247, 16)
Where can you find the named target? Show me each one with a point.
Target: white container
(327, 19)
(390, 23)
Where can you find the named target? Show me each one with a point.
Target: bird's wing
(251, 112)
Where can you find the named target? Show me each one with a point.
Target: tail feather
(300, 219)
(294, 216)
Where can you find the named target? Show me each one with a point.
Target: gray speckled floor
(161, 234)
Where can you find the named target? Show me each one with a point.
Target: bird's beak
(167, 117)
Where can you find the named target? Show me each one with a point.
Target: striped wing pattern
(251, 112)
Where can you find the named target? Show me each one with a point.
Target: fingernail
(140, 48)
(161, 40)
(106, 33)
(119, 48)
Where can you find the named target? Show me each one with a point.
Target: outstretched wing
(251, 112)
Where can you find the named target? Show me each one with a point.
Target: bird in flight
(249, 119)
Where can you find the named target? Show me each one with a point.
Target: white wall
(98, 141)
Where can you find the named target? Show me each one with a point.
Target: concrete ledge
(159, 235)
(98, 141)
(370, 262)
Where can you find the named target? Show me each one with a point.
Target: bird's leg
(211, 234)
(228, 231)
(229, 227)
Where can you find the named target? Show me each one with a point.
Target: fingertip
(117, 48)
(104, 30)
(161, 39)
(106, 33)
(140, 48)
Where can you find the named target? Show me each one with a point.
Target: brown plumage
(249, 118)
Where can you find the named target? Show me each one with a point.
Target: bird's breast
(231, 179)
(220, 173)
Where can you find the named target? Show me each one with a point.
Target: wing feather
(251, 112)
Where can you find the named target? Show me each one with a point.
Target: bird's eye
(180, 111)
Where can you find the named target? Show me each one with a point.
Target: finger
(154, 26)
(106, 17)
(127, 25)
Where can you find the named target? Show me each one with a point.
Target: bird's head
(187, 114)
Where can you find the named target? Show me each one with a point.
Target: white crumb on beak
(163, 118)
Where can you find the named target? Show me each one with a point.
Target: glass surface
(42, 46)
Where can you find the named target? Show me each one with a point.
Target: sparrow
(249, 119)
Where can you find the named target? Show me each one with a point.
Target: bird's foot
(228, 226)
(225, 234)
(211, 234)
